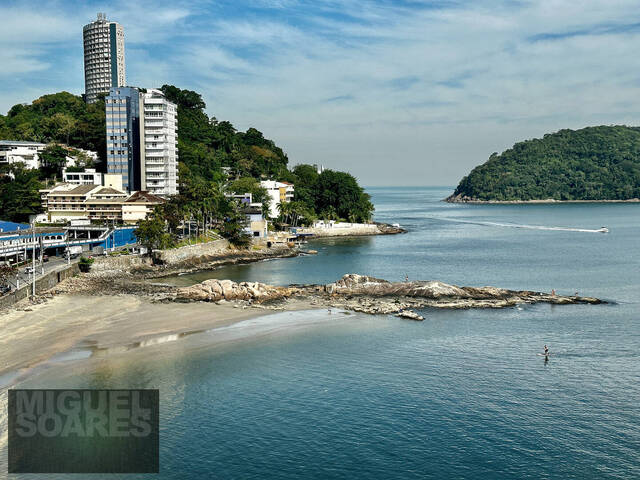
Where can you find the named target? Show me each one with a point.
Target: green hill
(214, 157)
(593, 163)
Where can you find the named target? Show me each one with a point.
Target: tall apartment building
(142, 140)
(159, 151)
(122, 107)
(103, 57)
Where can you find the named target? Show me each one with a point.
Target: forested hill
(593, 163)
(214, 158)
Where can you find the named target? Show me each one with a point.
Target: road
(53, 264)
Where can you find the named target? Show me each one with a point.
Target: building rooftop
(21, 142)
(144, 197)
(63, 189)
(108, 191)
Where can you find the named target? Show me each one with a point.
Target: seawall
(340, 229)
(44, 283)
(191, 254)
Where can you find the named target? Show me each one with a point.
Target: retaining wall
(44, 283)
(191, 253)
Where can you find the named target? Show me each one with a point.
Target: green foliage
(233, 226)
(53, 159)
(296, 213)
(85, 264)
(151, 232)
(332, 195)
(59, 117)
(206, 145)
(19, 196)
(211, 151)
(594, 163)
(251, 185)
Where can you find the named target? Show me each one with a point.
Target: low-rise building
(257, 225)
(105, 204)
(69, 202)
(279, 192)
(13, 151)
(138, 206)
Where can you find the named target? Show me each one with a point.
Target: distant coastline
(457, 199)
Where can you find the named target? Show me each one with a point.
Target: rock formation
(214, 290)
(372, 295)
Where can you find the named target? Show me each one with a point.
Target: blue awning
(11, 226)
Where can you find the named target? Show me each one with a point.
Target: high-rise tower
(142, 139)
(103, 57)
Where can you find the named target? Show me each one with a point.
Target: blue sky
(397, 92)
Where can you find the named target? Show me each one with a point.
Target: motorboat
(603, 230)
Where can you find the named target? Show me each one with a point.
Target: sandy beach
(67, 322)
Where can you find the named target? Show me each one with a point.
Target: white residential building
(279, 192)
(159, 144)
(13, 151)
(142, 140)
(103, 57)
(88, 177)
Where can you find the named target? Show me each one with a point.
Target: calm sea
(461, 395)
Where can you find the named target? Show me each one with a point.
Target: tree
(59, 126)
(7, 273)
(151, 232)
(234, 226)
(258, 193)
(305, 178)
(338, 194)
(53, 159)
(19, 196)
(593, 163)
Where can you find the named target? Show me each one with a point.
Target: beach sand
(66, 322)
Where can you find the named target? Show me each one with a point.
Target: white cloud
(421, 94)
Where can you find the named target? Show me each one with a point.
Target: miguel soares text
(87, 413)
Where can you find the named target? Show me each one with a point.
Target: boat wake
(524, 226)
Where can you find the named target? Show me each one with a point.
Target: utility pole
(33, 257)
(67, 249)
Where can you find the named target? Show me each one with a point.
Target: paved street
(53, 264)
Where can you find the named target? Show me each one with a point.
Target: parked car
(5, 289)
(28, 270)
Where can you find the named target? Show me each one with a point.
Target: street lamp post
(33, 257)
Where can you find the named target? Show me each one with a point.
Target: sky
(405, 92)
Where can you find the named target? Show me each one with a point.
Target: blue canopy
(12, 227)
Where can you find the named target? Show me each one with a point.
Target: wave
(517, 225)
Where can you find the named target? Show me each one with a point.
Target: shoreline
(111, 313)
(79, 327)
(452, 199)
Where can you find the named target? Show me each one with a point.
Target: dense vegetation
(60, 117)
(19, 196)
(594, 163)
(212, 150)
(214, 159)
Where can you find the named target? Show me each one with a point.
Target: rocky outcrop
(372, 295)
(434, 293)
(410, 315)
(214, 290)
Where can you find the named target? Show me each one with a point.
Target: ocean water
(461, 395)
